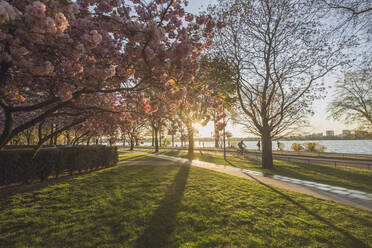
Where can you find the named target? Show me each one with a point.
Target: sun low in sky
(203, 131)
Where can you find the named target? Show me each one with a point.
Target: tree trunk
(159, 133)
(190, 134)
(224, 143)
(123, 142)
(172, 140)
(51, 131)
(68, 138)
(153, 137)
(55, 138)
(216, 138)
(28, 138)
(40, 132)
(7, 130)
(267, 151)
(216, 132)
(156, 141)
(131, 144)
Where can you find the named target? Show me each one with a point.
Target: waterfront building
(330, 133)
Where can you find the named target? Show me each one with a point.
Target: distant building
(330, 133)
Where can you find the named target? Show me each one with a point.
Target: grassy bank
(176, 206)
(352, 178)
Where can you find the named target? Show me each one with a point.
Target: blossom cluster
(59, 55)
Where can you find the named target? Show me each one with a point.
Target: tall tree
(278, 49)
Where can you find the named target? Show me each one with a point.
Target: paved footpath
(348, 160)
(345, 196)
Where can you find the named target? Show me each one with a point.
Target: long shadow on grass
(355, 241)
(355, 179)
(163, 221)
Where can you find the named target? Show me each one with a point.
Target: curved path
(345, 196)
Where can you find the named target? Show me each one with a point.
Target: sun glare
(204, 131)
(197, 126)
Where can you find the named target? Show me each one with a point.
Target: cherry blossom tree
(163, 107)
(60, 54)
(132, 124)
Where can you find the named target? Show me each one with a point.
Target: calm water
(339, 146)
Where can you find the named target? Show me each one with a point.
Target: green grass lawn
(176, 206)
(352, 178)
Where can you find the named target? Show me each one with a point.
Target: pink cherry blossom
(81, 53)
(61, 21)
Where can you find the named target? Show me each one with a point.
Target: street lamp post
(224, 135)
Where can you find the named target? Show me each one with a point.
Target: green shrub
(281, 146)
(297, 147)
(314, 147)
(20, 165)
(43, 164)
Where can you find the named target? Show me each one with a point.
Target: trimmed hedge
(18, 165)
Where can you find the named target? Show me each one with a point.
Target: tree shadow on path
(163, 221)
(355, 242)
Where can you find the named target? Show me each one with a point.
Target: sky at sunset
(319, 122)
